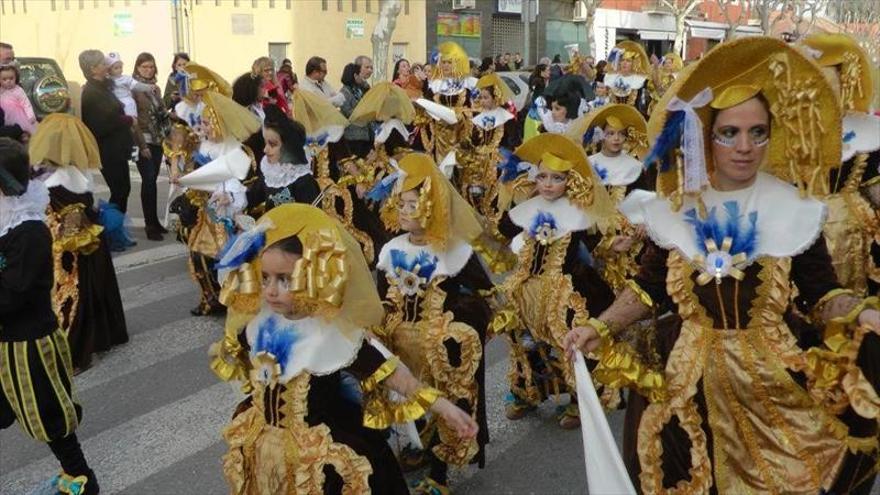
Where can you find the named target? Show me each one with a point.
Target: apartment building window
(287, 4)
(52, 5)
(324, 5)
(369, 6)
(95, 4)
(235, 3)
(405, 7)
(66, 4)
(253, 4)
(339, 5)
(354, 5)
(271, 4)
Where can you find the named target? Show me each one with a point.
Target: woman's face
(626, 66)
(612, 145)
(267, 72)
(180, 64)
(550, 184)
(740, 136)
(276, 272)
(545, 73)
(667, 63)
(408, 208)
(99, 71)
(486, 100)
(273, 145)
(147, 69)
(403, 69)
(447, 68)
(558, 112)
(420, 73)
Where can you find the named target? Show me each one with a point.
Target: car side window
(512, 85)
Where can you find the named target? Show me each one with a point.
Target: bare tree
(804, 14)
(589, 9)
(733, 21)
(765, 9)
(381, 38)
(680, 9)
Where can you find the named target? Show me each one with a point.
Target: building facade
(225, 35)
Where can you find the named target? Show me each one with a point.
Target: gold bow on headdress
(621, 117)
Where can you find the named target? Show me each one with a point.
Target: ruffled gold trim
(380, 412)
(644, 297)
(620, 367)
(387, 369)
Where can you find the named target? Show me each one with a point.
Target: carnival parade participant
(214, 191)
(663, 74)
(617, 136)
(431, 283)
(853, 227)
(316, 301)
(36, 372)
(737, 394)
(629, 73)
(554, 282)
(86, 295)
(447, 102)
(285, 173)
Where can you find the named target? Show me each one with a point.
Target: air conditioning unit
(580, 11)
(463, 4)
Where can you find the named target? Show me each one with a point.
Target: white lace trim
(15, 210)
(283, 174)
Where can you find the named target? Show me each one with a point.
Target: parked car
(45, 85)
(518, 82)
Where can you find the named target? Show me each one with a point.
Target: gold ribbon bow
(322, 271)
(243, 280)
(708, 273)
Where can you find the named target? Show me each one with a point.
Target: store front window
(562, 33)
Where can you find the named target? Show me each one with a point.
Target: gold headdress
(454, 53)
(502, 92)
(64, 140)
(383, 102)
(844, 53)
(318, 115)
(677, 62)
(619, 116)
(805, 120)
(634, 52)
(442, 211)
(226, 118)
(561, 154)
(201, 77)
(331, 275)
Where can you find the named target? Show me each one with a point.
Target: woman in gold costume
(852, 228)
(432, 285)
(304, 429)
(737, 393)
(86, 296)
(663, 74)
(554, 282)
(630, 68)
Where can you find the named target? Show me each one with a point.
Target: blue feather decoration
(540, 220)
(613, 56)
(668, 139)
(741, 228)
(201, 159)
(849, 136)
(241, 249)
(181, 78)
(383, 189)
(276, 339)
(435, 57)
(511, 166)
(602, 172)
(350, 388)
(423, 264)
(320, 140)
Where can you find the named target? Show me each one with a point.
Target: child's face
(116, 69)
(601, 90)
(550, 183)
(272, 150)
(613, 142)
(558, 112)
(178, 138)
(408, 208)
(487, 101)
(276, 270)
(7, 79)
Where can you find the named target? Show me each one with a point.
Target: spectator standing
(171, 97)
(154, 124)
(316, 71)
(518, 61)
(487, 67)
(104, 116)
(7, 54)
(287, 78)
(14, 102)
(273, 94)
(248, 92)
(600, 71)
(354, 86)
(401, 73)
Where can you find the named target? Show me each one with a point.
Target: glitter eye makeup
(726, 137)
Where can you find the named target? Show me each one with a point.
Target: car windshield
(511, 84)
(31, 72)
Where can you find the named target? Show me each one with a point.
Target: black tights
(148, 168)
(70, 455)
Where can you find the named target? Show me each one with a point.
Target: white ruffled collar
(784, 224)
(310, 345)
(861, 134)
(450, 86)
(551, 220)
(282, 174)
(71, 178)
(15, 210)
(620, 84)
(446, 263)
(492, 119)
(620, 170)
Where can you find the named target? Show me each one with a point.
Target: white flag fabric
(438, 111)
(606, 474)
(232, 165)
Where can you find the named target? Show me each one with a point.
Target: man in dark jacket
(104, 116)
